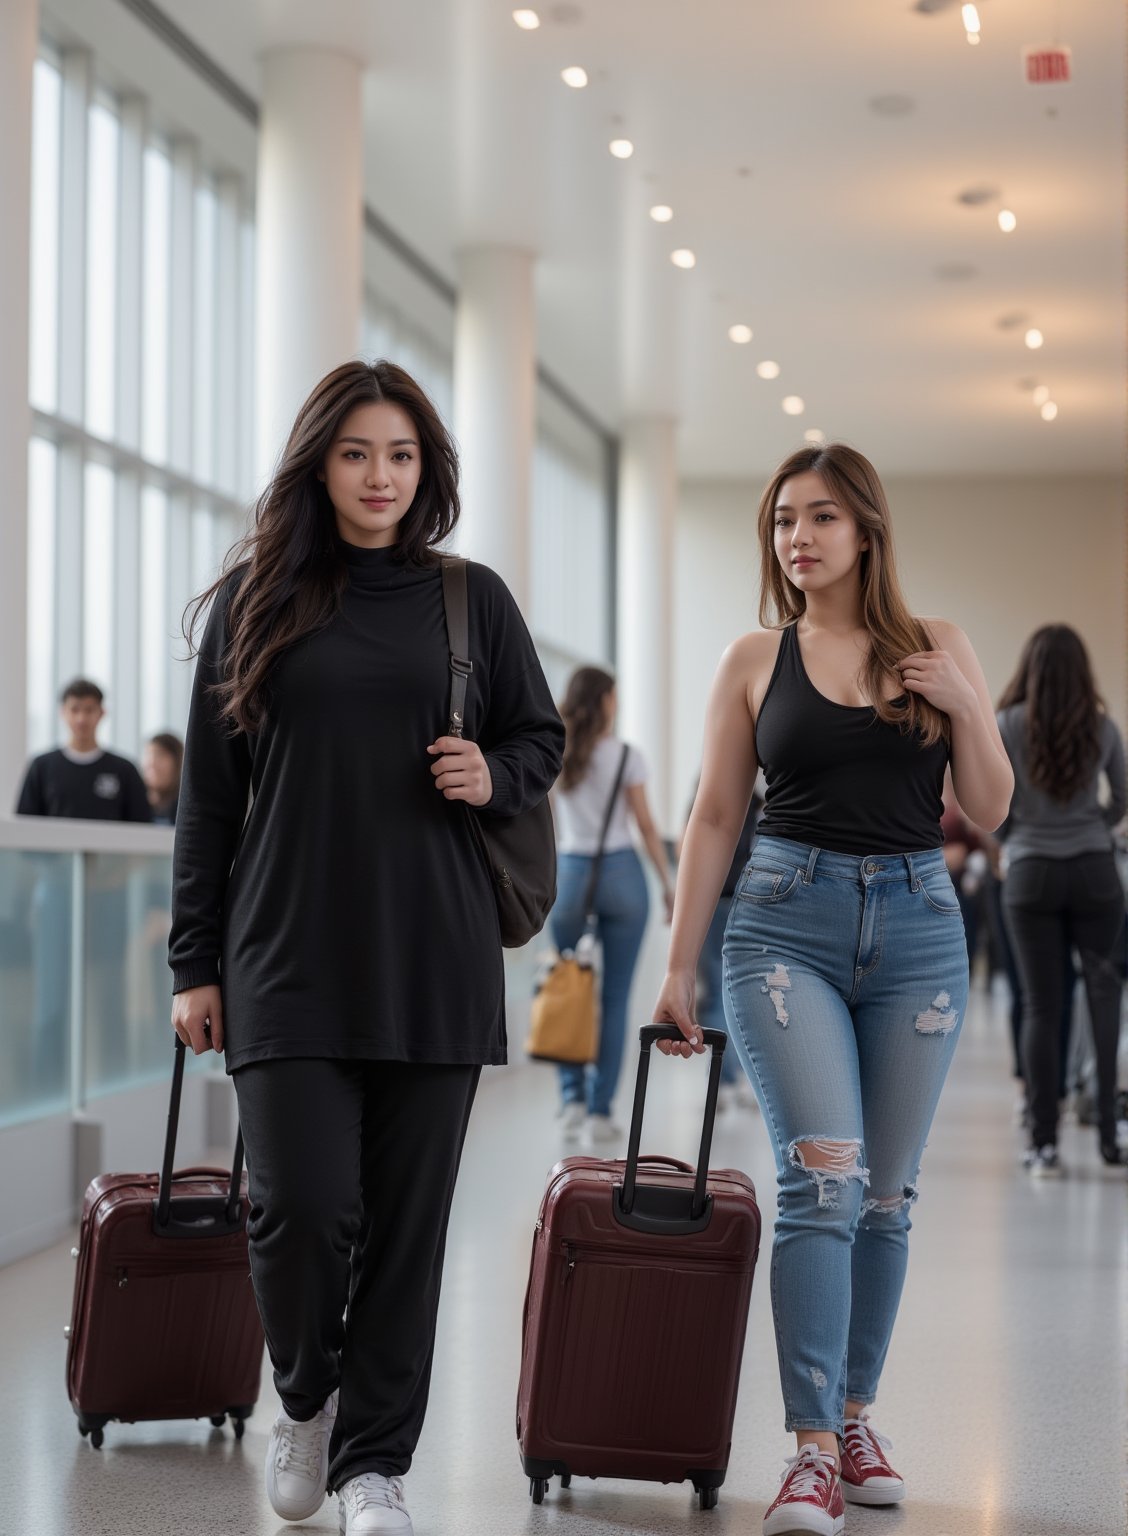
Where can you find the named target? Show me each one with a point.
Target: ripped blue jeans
(846, 981)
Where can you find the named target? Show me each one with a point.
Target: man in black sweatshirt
(81, 779)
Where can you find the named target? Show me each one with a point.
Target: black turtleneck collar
(386, 567)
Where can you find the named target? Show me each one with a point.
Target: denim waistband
(867, 869)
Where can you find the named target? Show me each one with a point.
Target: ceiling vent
(1014, 321)
(955, 272)
(930, 7)
(976, 197)
(892, 105)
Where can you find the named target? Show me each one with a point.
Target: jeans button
(871, 867)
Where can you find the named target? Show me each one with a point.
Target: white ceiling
(827, 245)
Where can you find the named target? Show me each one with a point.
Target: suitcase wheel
(538, 1487)
(566, 1480)
(708, 1497)
(218, 1420)
(238, 1426)
(93, 1429)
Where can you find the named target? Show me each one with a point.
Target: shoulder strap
(593, 877)
(458, 639)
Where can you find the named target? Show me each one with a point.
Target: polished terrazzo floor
(1004, 1394)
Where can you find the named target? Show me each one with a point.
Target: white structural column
(647, 505)
(310, 219)
(495, 408)
(19, 20)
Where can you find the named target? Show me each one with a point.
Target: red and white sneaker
(810, 1499)
(867, 1477)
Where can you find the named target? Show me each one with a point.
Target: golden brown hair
(289, 575)
(894, 633)
(1063, 711)
(584, 720)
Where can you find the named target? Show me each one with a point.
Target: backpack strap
(458, 639)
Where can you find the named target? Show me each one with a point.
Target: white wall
(999, 557)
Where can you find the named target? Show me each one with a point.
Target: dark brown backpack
(519, 851)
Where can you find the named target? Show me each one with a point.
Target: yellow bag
(564, 1026)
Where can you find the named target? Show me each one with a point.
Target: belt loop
(809, 874)
(914, 878)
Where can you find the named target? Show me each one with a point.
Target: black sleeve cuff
(500, 802)
(196, 973)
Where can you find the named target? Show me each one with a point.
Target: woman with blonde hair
(845, 963)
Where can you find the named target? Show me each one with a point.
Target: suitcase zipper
(596, 1254)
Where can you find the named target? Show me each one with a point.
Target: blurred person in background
(82, 779)
(736, 1091)
(1062, 887)
(592, 756)
(161, 762)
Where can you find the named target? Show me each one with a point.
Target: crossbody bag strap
(458, 639)
(597, 862)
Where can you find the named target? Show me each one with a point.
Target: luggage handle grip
(648, 1036)
(164, 1195)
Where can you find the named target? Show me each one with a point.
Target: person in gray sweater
(1062, 885)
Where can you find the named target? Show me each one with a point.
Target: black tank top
(839, 777)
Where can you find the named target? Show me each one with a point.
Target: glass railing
(84, 979)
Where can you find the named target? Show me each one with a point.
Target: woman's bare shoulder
(751, 661)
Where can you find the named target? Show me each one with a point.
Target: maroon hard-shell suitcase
(636, 1311)
(164, 1324)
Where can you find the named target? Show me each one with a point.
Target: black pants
(1048, 903)
(352, 1167)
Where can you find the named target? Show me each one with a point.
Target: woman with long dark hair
(845, 964)
(1062, 889)
(334, 925)
(602, 775)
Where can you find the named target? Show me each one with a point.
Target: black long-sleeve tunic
(349, 913)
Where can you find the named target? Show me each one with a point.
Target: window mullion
(229, 299)
(127, 611)
(70, 542)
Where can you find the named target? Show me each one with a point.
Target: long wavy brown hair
(584, 720)
(1063, 711)
(893, 631)
(291, 575)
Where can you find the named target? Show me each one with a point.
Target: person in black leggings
(1062, 886)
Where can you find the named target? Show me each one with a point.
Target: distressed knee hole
(777, 981)
(818, 1377)
(940, 1019)
(831, 1164)
(890, 1205)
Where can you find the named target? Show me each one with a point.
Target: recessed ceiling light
(741, 334)
(683, 259)
(528, 21)
(1041, 394)
(661, 213)
(622, 149)
(793, 405)
(1049, 411)
(1034, 338)
(971, 22)
(1007, 221)
(574, 76)
(813, 435)
(768, 369)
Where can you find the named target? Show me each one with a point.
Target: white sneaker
(572, 1117)
(599, 1130)
(297, 1462)
(371, 1503)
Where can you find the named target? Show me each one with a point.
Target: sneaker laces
(298, 1451)
(803, 1474)
(866, 1445)
(371, 1490)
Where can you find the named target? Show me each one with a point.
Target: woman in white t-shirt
(592, 757)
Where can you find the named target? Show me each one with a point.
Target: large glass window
(45, 194)
(113, 532)
(101, 267)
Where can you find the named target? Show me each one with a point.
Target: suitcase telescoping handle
(192, 1216)
(653, 1208)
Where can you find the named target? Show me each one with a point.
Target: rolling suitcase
(636, 1311)
(164, 1323)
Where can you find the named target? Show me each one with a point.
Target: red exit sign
(1047, 66)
